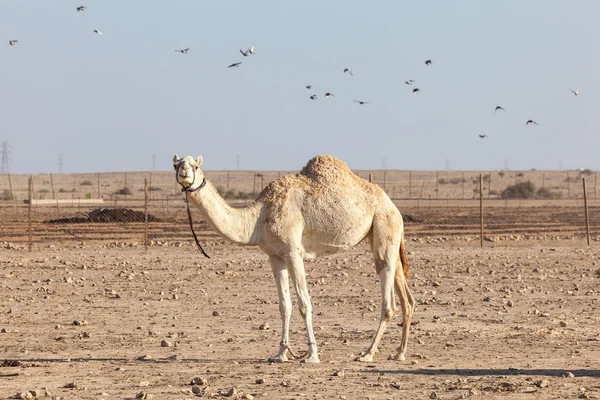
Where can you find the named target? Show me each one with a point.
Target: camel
(323, 210)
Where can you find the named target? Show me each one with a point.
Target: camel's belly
(326, 243)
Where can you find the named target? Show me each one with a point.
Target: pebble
(3, 330)
(23, 395)
(199, 381)
(569, 375)
(216, 313)
(259, 381)
(542, 383)
(339, 373)
(77, 322)
(165, 343)
(264, 327)
(141, 395)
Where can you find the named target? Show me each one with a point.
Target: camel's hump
(325, 168)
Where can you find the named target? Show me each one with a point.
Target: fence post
(227, 184)
(146, 215)
(29, 230)
(370, 178)
(437, 184)
(12, 196)
(481, 208)
(52, 186)
(463, 184)
(587, 219)
(385, 181)
(409, 184)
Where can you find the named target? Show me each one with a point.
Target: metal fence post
(30, 200)
(146, 215)
(587, 219)
(481, 208)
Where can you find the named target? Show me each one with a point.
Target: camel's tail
(403, 258)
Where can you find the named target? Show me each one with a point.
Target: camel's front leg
(280, 273)
(296, 268)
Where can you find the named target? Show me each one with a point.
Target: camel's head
(187, 171)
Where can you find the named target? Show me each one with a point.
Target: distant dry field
(515, 319)
(398, 184)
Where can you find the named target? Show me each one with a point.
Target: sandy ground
(500, 322)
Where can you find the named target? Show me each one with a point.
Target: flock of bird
(347, 71)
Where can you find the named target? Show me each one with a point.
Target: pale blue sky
(111, 102)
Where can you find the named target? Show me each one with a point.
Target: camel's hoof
(397, 357)
(364, 358)
(278, 359)
(311, 360)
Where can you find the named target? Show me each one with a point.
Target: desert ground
(90, 314)
(516, 320)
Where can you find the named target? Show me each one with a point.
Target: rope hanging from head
(187, 190)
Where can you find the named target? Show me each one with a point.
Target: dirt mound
(106, 215)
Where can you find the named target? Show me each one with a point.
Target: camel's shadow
(592, 373)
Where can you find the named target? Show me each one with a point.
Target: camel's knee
(305, 309)
(389, 314)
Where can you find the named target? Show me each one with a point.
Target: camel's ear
(199, 161)
(175, 159)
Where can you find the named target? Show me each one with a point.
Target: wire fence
(146, 210)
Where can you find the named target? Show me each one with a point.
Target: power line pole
(60, 163)
(5, 163)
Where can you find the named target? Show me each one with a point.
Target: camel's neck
(239, 225)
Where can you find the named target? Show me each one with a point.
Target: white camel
(323, 210)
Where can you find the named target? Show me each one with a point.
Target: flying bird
(237, 64)
(328, 95)
(428, 62)
(483, 136)
(12, 42)
(183, 51)
(308, 86)
(81, 8)
(313, 97)
(498, 108)
(97, 31)
(416, 90)
(361, 102)
(347, 71)
(530, 121)
(575, 92)
(248, 51)
(409, 82)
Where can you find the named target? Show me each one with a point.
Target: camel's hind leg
(280, 273)
(407, 302)
(386, 267)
